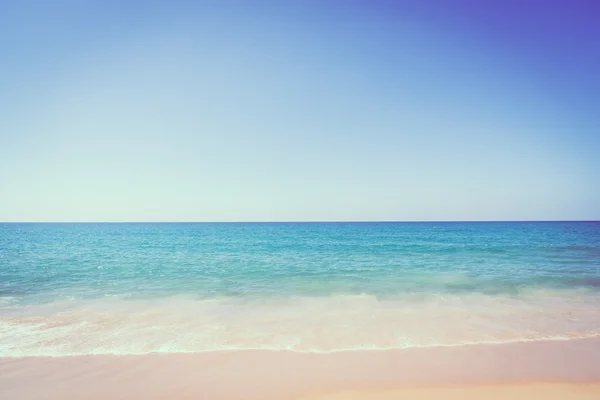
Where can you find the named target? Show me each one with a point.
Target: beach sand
(532, 391)
(531, 370)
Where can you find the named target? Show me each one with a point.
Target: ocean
(138, 288)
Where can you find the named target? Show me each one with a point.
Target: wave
(181, 324)
(292, 348)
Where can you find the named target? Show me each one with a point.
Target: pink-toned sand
(545, 370)
(531, 391)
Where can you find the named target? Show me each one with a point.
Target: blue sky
(271, 111)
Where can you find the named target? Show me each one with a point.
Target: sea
(137, 288)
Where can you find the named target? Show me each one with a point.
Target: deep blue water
(61, 281)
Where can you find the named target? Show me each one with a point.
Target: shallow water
(137, 288)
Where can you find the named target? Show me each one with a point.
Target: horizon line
(297, 222)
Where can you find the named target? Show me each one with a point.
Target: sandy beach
(546, 391)
(548, 370)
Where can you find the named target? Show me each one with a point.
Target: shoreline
(590, 337)
(275, 375)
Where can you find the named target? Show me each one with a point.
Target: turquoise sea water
(138, 288)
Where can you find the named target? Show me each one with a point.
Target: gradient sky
(307, 110)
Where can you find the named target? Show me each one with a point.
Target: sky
(299, 110)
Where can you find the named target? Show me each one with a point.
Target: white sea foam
(115, 325)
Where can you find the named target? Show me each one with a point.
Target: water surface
(184, 287)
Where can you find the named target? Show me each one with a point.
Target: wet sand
(544, 369)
